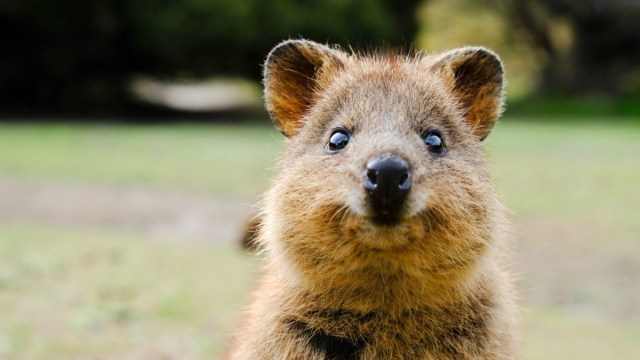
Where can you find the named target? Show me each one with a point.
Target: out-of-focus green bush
(79, 55)
(577, 52)
(445, 24)
(224, 36)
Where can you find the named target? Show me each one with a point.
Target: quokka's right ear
(293, 74)
(476, 78)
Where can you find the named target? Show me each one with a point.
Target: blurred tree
(588, 46)
(79, 56)
(445, 24)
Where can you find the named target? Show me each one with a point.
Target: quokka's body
(382, 230)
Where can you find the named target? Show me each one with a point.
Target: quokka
(382, 231)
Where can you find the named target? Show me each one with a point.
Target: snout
(387, 182)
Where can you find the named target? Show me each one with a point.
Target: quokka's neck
(375, 292)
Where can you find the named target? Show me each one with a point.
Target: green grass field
(88, 292)
(223, 160)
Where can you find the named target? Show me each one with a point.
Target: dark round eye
(338, 140)
(433, 139)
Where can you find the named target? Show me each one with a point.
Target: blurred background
(133, 145)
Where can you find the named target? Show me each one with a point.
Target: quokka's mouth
(387, 220)
(385, 214)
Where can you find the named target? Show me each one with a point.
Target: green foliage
(234, 36)
(78, 55)
(557, 50)
(625, 108)
(586, 47)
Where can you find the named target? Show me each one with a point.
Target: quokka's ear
(475, 77)
(293, 74)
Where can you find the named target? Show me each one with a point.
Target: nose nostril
(405, 182)
(403, 178)
(372, 174)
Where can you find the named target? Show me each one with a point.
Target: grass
(68, 292)
(552, 334)
(565, 164)
(581, 172)
(222, 160)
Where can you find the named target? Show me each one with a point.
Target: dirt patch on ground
(163, 215)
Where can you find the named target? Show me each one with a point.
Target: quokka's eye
(433, 139)
(338, 140)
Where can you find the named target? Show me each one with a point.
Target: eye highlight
(433, 140)
(338, 140)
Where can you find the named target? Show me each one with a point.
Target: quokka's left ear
(475, 77)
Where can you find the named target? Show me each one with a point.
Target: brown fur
(248, 240)
(337, 286)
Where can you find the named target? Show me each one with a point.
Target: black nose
(387, 181)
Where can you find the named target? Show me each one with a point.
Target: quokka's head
(383, 158)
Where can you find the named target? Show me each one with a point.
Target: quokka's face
(381, 150)
(387, 146)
